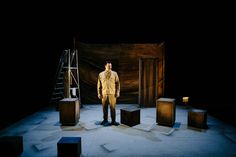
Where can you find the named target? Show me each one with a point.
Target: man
(108, 88)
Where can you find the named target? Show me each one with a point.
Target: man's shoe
(104, 122)
(115, 123)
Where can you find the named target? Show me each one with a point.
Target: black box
(165, 111)
(11, 145)
(130, 116)
(197, 118)
(69, 147)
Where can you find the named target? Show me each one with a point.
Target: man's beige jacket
(108, 84)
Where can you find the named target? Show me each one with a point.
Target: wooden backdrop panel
(125, 61)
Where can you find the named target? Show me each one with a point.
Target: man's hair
(107, 62)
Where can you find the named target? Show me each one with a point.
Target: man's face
(108, 66)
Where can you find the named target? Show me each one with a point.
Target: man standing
(108, 88)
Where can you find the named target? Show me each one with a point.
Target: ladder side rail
(77, 65)
(59, 69)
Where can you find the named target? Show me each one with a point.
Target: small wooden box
(130, 116)
(11, 145)
(165, 111)
(197, 118)
(69, 109)
(69, 147)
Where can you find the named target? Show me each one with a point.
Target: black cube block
(197, 118)
(130, 116)
(69, 147)
(11, 145)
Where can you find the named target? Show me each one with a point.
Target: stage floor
(41, 131)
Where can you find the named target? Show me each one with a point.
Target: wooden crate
(69, 109)
(165, 111)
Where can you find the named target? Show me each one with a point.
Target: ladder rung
(59, 88)
(56, 98)
(70, 67)
(59, 93)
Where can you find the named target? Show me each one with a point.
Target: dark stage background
(199, 50)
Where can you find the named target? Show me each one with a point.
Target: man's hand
(117, 95)
(99, 96)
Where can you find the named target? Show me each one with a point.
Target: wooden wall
(125, 60)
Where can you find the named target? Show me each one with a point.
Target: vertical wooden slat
(140, 83)
(160, 79)
(144, 83)
(162, 69)
(150, 82)
(156, 79)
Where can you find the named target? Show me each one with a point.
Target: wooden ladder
(67, 77)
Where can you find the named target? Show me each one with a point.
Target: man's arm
(117, 82)
(99, 88)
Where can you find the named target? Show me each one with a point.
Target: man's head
(108, 65)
